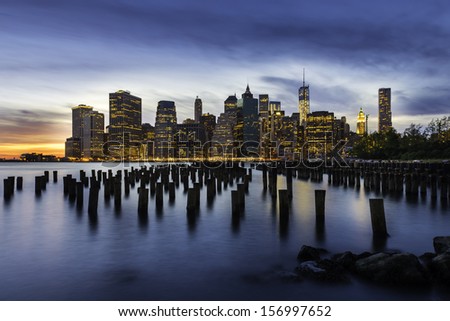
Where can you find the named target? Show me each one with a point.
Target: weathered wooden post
(159, 195)
(143, 201)
(117, 192)
(19, 183)
(423, 184)
(55, 176)
(283, 203)
(72, 189)
(241, 194)
(246, 182)
(235, 206)
(191, 201)
(443, 187)
(378, 217)
(289, 183)
(320, 205)
(433, 185)
(8, 190)
(46, 174)
(197, 197)
(93, 201)
(171, 192)
(264, 176)
(126, 182)
(80, 192)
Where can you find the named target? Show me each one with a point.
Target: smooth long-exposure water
(49, 250)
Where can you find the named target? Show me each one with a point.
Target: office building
(165, 128)
(198, 106)
(249, 106)
(384, 110)
(93, 131)
(319, 133)
(125, 123)
(303, 101)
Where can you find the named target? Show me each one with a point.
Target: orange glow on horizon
(11, 151)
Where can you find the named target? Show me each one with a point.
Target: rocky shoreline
(390, 268)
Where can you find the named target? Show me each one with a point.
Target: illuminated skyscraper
(93, 131)
(361, 123)
(384, 110)
(249, 107)
(320, 133)
(197, 109)
(303, 101)
(264, 106)
(74, 145)
(125, 122)
(165, 129)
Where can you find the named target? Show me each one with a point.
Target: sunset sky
(56, 54)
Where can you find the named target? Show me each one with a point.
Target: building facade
(125, 123)
(361, 123)
(165, 129)
(93, 132)
(384, 110)
(198, 107)
(303, 102)
(319, 133)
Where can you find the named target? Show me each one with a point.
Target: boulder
(396, 269)
(322, 270)
(441, 244)
(346, 260)
(309, 253)
(440, 267)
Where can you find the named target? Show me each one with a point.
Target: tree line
(416, 143)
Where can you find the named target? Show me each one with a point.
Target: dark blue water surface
(49, 250)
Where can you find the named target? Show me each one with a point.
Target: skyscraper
(74, 145)
(197, 109)
(361, 123)
(249, 107)
(165, 128)
(93, 131)
(384, 110)
(303, 101)
(125, 122)
(264, 106)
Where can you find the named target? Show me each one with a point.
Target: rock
(441, 244)
(397, 269)
(346, 260)
(308, 253)
(440, 267)
(322, 270)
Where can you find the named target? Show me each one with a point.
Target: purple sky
(56, 54)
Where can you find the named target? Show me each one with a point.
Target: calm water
(51, 251)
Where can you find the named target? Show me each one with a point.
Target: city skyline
(58, 55)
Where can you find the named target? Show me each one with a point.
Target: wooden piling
(319, 196)
(171, 192)
(143, 201)
(191, 206)
(19, 183)
(241, 195)
(117, 192)
(283, 203)
(55, 176)
(80, 192)
(93, 201)
(235, 205)
(378, 217)
(159, 194)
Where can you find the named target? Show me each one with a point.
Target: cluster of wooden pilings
(411, 179)
(8, 186)
(158, 182)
